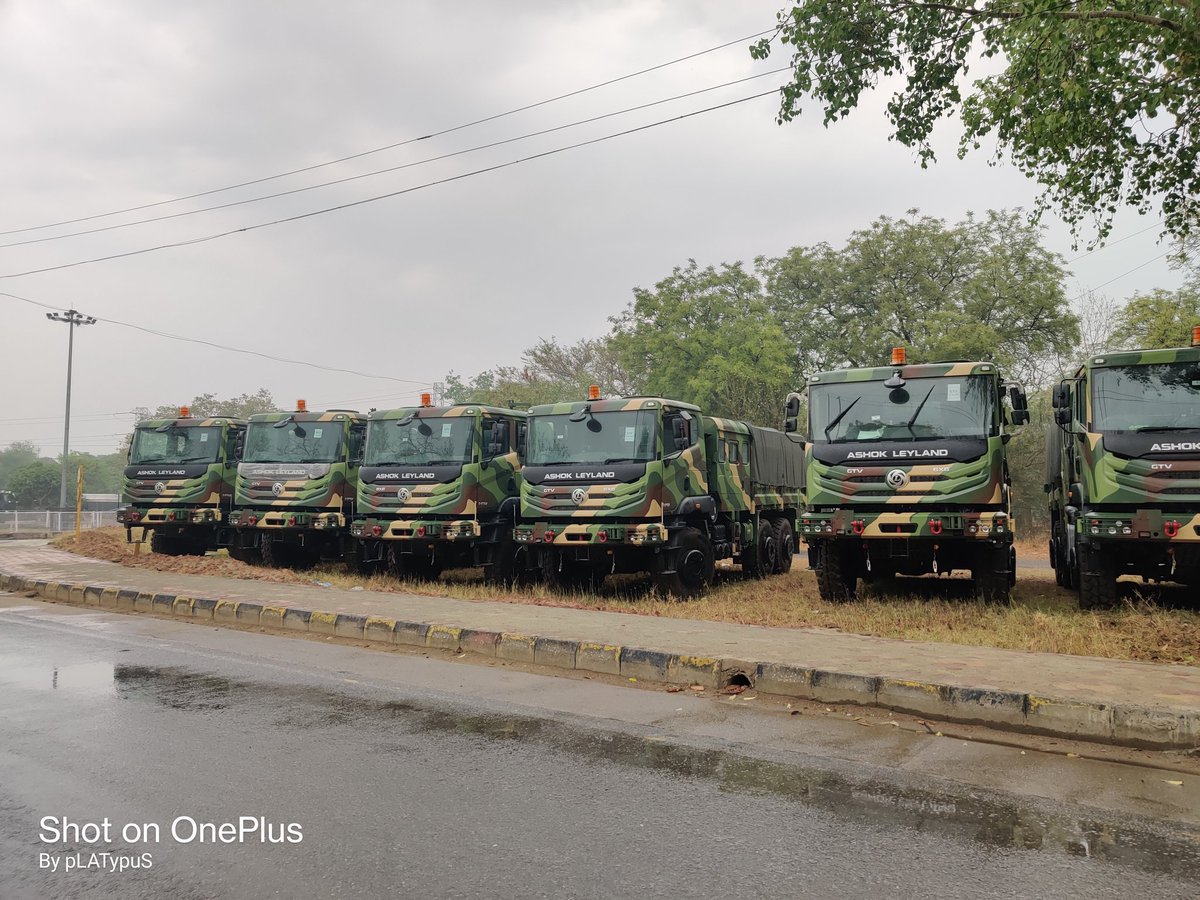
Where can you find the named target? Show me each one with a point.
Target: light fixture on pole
(72, 318)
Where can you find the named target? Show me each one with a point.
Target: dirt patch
(1151, 625)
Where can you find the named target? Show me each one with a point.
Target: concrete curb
(1115, 723)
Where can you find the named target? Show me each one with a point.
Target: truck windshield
(428, 441)
(295, 442)
(183, 444)
(923, 409)
(603, 437)
(1156, 397)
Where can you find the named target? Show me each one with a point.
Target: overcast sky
(113, 104)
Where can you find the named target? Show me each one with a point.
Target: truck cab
(907, 474)
(1123, 472)
(439, 488)
(296, 486)
(179, 481)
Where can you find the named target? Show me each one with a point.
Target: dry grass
(1042, 617)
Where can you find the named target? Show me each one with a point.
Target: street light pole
(72, 318)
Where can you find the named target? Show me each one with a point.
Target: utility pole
(72, 318)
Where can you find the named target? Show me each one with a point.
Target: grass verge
(1152, 627)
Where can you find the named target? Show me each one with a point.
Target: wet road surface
(421, 777)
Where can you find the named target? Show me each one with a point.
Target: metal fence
(42, 521)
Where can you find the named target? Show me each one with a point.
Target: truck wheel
(694, 566)
(275, 554)
(759, 561)
(167, 546)
(785, 546)
(991, 574)
(247, 555)
(1057, 563)
(837, 573)
(507, 563)
(1097, 579)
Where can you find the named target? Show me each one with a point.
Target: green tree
(1160, 318)
(1095, 100)
(709, 337)
(37, 485)
(15, 456)
(101, 474)
(202, 405)
(550, 372)
(984, 288)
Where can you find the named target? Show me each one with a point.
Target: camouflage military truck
(651, 485)
(178, 485)
(439, 488)
(1123, 472)
(906, 474)
(296, 484)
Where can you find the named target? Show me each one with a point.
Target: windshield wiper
(617, 459)
(196, 459)
(1142, 428)
(920, 406)
(840, 416)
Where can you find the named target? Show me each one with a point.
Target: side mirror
(1060, 397)
(789, 424)
(792, 409)
(522, 430)
(1062, 416)
(239, 446)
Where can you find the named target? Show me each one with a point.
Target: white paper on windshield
(446, 426)
(629, 429)
(953, 393)
(317, 432)
(204, 437)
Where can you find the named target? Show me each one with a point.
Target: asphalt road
(410, 776)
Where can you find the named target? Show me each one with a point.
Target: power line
(393, 146)
(389, 195)
(390, 169)
(189, 340)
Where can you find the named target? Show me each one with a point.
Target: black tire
(167, 545)
(249, 555)
(837, 572)
(1097, 579)
(1058, 563)
(785, 546)
(694, 566)
(422, 568)
(275, 553)
(759, 561)
(507, 563)
(992, 575)
(394, 561)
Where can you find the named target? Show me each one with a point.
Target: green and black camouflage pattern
(287, 496)
(1127, 488)
(941, 498)
(178, 495)
(636, 504)
(449, 502)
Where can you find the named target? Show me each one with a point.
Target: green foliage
(101, 474)
(710, 337)
(1097, 103)
(15, 456)
(205, 405)
(550, 372)
(980, 289)
(37, 485)
(1158, 319)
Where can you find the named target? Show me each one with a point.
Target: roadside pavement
(1114, 701)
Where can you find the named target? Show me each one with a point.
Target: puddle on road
(994, 819)
(95, 678)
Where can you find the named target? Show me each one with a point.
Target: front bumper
(149, 517)
(574, 534)
(417, 529)
(286, 520)
(986, 526)
(1139, 525)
